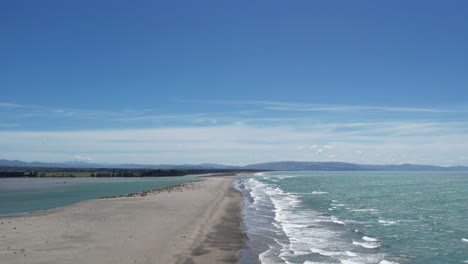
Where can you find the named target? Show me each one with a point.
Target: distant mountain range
(81, 164)
(343, 166)
(275, 166)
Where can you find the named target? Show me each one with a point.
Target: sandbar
(197, 224)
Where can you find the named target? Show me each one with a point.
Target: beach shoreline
(200, 224)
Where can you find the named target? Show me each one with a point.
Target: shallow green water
(30, 194)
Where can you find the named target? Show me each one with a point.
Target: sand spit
(196, 222)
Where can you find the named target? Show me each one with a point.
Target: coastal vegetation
(15, 172)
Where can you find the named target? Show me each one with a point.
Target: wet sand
(200, 223)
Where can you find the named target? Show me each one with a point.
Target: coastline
(222, 237)
(200, 224)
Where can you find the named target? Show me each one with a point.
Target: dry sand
(201, 224)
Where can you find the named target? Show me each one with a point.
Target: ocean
(18, 195)
(355, 217)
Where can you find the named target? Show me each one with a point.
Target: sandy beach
(200, 224)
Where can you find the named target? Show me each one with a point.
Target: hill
(275, 166)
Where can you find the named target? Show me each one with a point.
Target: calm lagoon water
(29, 194)
(356, 217)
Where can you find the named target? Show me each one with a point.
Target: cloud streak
(307, 107)
(26, 113)
(442, 144)
(10, 105)
(336, 108)
(235, 136)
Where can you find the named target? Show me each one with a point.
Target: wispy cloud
(117, 117)
(82, 158)
(338, 108)
(375, 143)
(25, 110)
(10, 105)
(264, 112)
(297, 106)
(195, 117)
(236, 136)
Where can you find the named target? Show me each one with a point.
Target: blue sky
(234, 82)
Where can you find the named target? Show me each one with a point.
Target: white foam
(367, 244)
(319, 192)
(306, 230)
(286, 253)
(324, 252)
(336, 221)
(464, 240)
(351, 254)
(285, 176)
(369, 239)
(372, 210)
(387, 223)
(345, 261)
(259, 174)
(387, 262)
(338, 205)
(264, 256)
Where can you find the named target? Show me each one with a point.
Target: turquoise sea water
(356, 217)
(30, 194)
